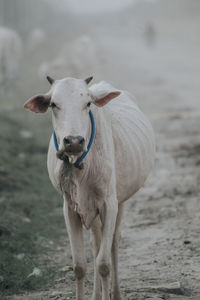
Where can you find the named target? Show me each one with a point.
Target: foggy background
(150, 48)
(74, 38)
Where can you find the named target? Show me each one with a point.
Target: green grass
(27, 203)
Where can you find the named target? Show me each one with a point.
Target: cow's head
(70, 99)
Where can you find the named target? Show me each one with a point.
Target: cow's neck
(68, 181)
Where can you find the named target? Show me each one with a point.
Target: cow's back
(134, 144)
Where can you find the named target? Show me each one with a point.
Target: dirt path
(160, 246)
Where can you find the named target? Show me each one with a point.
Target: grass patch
(28, 224)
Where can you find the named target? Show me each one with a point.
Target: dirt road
(160, 246)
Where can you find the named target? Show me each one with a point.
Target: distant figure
(36, 38)
(150, 34)
(10, 55)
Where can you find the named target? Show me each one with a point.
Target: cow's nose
(67, 140)
(74, 144)
(81, 140)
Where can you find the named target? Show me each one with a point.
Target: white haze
(93, 6)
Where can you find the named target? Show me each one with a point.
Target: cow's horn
(88, 79)
(50, 80)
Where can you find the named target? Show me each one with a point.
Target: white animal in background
(36, 38)
(77, 58)
(57, 66)
(114, 169)
(10, 55)
(81, 55)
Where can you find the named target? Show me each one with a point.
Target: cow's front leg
(75, 231)
(96, 242)
(115, 292)
(104, 255)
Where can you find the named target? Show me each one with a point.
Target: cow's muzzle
(74, 144)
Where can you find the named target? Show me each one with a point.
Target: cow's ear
(101, 101)
(38, 103)
(102, 93)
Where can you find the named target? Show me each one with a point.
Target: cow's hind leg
(96, 241)
(115, 292)
(75, 231)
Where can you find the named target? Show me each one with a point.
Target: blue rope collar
(80, 159)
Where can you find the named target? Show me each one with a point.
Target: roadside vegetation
(29, 226)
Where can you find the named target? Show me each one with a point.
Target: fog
(96, 6)
(147, 47)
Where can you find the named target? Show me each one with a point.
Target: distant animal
(36, 38)
(10, 55)
(94, 188)
(76, 57)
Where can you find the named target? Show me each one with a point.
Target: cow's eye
(89, 103)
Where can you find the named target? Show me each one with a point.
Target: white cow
(10, 55)
(116, 166)
(36, 38)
